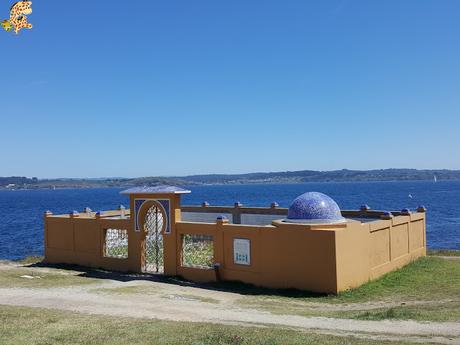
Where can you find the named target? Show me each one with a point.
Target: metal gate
(153, 250)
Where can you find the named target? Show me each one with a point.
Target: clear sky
(142, 88)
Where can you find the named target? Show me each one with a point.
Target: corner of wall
(352, 256)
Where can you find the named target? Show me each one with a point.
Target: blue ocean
(21, 226)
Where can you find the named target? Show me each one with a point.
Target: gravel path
(177, 306)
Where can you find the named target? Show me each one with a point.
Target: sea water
(21, 222)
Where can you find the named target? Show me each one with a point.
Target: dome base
(315, 221)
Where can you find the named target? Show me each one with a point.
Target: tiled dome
(314, 207)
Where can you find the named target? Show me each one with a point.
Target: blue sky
(141, 88)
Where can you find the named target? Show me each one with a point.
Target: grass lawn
(32, 326)
(443, 252)
(427, 289)
(27, 278)
(429, 278)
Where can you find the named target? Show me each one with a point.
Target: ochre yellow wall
(396, 242)
(321, 258)
(366, 251)
(80, 241)
(286, 256)
(316, 258)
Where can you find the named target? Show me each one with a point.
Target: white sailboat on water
(435, 179)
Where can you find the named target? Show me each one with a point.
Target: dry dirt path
(183, 303)
(177, 306)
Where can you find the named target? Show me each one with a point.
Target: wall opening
(153, 245)
(197, 251)
(116, 243)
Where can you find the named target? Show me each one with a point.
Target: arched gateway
(154, 226)
(154, 213)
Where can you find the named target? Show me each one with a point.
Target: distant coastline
(301, 176)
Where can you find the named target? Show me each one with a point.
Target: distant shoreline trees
(18, 182)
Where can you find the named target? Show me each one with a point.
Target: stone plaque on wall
(241, 251)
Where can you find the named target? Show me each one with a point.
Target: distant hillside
(260, 177)
(17, 181)
(326, 176)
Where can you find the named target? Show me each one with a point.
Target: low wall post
(236, 213)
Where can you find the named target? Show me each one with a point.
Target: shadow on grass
(224, 286)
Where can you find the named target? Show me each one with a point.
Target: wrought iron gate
(153, 251)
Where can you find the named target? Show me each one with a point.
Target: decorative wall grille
(197, 251)
(116, 243)
(154, 222)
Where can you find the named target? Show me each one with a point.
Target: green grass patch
(390, 313)
(443, 252)
(22, 277)
(21, 325)
(428, 278)
(432, 280)
(31, 260)
(449, 311)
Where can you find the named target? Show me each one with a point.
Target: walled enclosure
(326, 258)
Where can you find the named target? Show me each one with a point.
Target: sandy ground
(188, 303)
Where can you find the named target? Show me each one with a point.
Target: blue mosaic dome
(314, 207)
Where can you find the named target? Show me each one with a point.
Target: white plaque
(241, 251)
